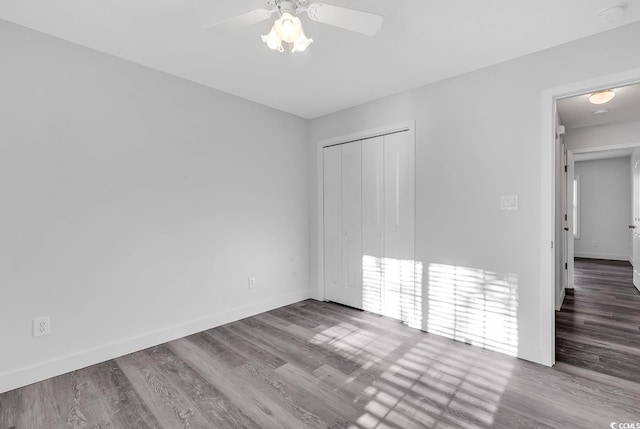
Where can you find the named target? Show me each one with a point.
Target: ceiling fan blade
(349, 19)
(238, 22)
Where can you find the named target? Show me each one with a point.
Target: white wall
(605, 209)
(477, 137)
(134, 205)
(624, 133)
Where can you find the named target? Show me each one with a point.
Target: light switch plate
(509, 202)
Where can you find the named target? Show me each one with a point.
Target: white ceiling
(420, 42)
(577, 112)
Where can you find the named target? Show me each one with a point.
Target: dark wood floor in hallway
(598, 327)
(318, 365)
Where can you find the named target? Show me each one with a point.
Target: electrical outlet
(252, 282)
(41, 327)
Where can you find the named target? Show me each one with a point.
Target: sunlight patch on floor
(436, 386)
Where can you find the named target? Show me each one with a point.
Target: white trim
(607, 256)
(42, 371)
(571, 244)
(321, 144)
(367, 134)
(575, 183)
(547, 196)
(604, 148)
(571, 169)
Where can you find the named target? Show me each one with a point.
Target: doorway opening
(600, 135)
(600, 204)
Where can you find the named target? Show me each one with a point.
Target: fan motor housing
(288, 6)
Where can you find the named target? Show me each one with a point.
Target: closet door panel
(332, 194)
(372, 223)
(352, 224)
(399, 192)
(401, 298)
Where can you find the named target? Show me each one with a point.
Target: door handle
(632, 226)
(566, 228)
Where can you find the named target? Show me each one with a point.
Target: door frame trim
(571, 244)
(571, 168)
(320, 145)
(548, 193)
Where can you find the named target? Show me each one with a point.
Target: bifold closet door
(332, 189)
(343, 223)
(401, 292)
(372, 223)
(352, 224)
(369, 222)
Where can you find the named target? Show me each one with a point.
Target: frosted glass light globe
(272, 40)
(288, 27)
(602, 97)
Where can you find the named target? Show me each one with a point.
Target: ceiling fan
(287, 28)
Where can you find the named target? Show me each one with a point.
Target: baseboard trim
(606, 256)
(52, 368)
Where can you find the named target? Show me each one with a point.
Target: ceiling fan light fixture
(272, 40)
(301, 44)
(602, 97)
(288, 27)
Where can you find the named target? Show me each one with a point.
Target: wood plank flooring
(598, 327)
(320, 365)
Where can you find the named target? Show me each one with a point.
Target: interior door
(372, 223)
(369, 218)
(567, 233)
(635, 226)
(351, 293)
(400, 293)
(342, 188)
(332, 195)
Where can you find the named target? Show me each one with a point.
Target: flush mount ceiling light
(602, 97)
(287, 29)
(612, 13)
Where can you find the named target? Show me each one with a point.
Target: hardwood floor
(319, 365)
(598, 327)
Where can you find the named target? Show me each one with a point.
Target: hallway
(598, 327)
